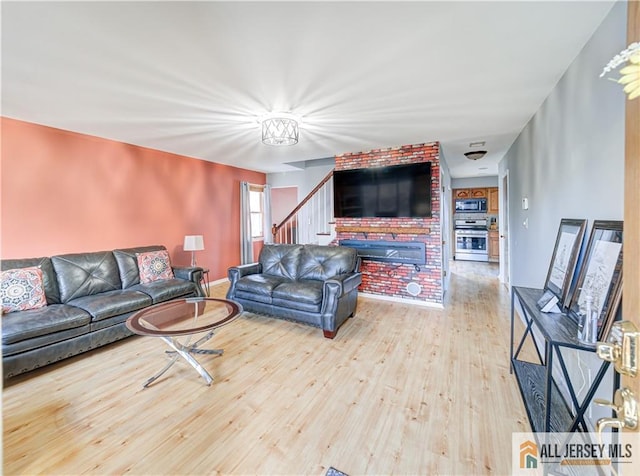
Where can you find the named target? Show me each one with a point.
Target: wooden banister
(275, 228)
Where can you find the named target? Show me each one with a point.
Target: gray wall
(569, 162)
(305, 179)
(569, 159)
(471, 182)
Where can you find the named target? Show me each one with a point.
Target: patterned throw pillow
(154, 266)
(22, 289)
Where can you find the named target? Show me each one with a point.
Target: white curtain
(246, 242)
(266, 209)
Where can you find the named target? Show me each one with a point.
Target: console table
(547, 408)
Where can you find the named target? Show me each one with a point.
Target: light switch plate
(525, 203)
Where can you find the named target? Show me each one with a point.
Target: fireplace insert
(407, 252)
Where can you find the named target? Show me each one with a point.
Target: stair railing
(310, 218)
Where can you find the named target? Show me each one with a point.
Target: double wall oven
(472, 239)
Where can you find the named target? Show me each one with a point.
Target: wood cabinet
(478, 193)
(470, 193)
(493, 204)
(493, 245)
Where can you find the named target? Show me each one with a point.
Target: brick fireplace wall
(391, 279)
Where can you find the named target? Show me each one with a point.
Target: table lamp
(193, 243)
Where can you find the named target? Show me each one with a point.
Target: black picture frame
(600, 274)
(564, 258)
(604, 332)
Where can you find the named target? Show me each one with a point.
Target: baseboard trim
(218, 281)
(379, 297)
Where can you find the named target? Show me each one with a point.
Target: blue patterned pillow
(22, 289)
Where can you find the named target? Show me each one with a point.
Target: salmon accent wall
(64, 192)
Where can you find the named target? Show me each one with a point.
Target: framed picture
(603, 335)
(564, 258)
(600, 274)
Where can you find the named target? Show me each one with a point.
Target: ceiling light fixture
(280, 129)
(475, 154)
(477, 144)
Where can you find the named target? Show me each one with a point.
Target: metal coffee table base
(185, 351)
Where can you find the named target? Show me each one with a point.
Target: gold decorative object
(630, 74)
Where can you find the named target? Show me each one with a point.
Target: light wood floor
(401, 390)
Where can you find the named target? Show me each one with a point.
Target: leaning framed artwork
(564, 258)
(600, 275)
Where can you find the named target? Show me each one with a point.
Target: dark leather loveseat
(89, 296)
(312, 284)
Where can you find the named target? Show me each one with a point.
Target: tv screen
(394, 191)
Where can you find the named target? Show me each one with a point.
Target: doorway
(283, 201)
(503, 219)
(445, 226)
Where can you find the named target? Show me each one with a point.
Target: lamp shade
(193, 243)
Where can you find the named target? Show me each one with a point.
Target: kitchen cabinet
(493, 245)
(470, 193)
(493, 204)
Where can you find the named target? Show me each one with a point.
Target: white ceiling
(193, 77)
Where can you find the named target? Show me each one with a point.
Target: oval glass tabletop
(184, 316)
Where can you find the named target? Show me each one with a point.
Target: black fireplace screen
(408, 252)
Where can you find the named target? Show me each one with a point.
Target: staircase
(311, 221)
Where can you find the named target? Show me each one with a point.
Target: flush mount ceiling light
(475, 154)
(280, 129)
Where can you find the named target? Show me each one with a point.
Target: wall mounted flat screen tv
(394, 191)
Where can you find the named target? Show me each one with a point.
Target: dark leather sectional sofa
(89, 298)
(312, 284)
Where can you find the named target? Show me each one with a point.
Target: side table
(205, 281)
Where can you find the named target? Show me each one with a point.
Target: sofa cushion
(83, 274)
(48, 274)
(22, 289)
(261, 284)
(307, 291)
(154, 266)
(253, 297)
(127, 259)
(21, 325)
(43, 341)
(161, 291)
(324, 262)
(297, 305)
(280, 260)
(112, 303)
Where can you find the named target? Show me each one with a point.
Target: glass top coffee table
(184, 318)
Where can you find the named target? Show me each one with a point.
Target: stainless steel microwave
(471, 205)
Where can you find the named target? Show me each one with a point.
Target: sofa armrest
(342, 283)
(236, 272)
(339, 297)
(187, 272)
(190, 273)
(336, 287)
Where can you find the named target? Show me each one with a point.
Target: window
(256, 201)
